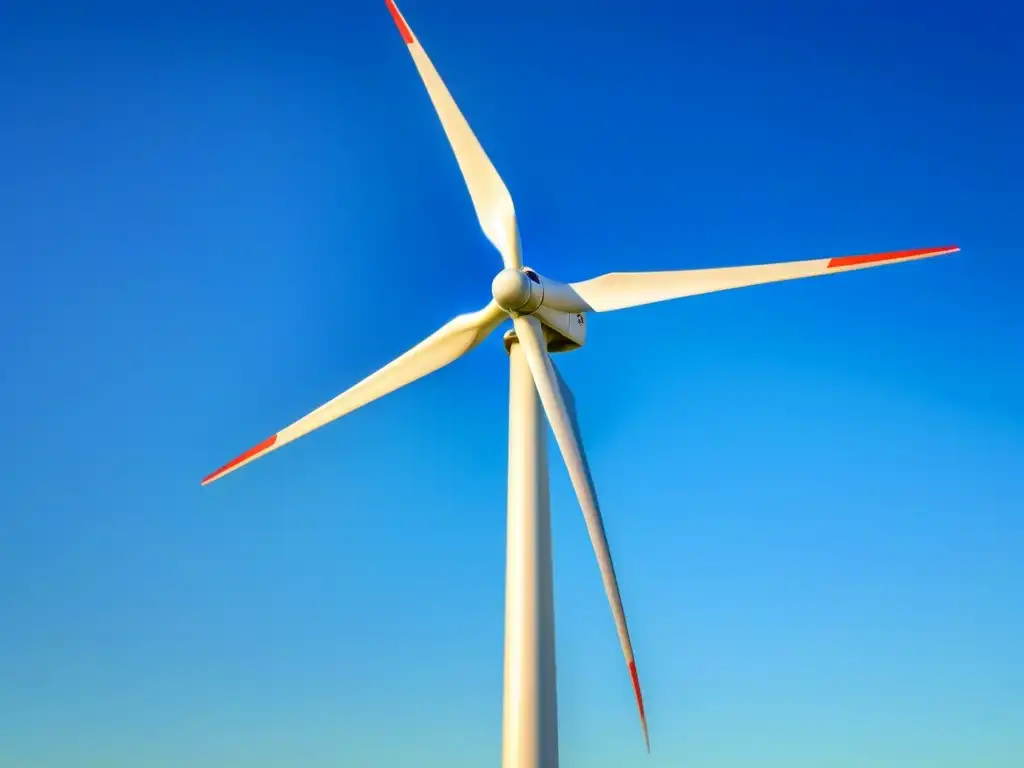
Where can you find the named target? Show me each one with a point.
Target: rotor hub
(512, 290)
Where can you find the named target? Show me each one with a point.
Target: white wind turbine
(547, 316)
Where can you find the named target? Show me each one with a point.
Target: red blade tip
(400, 22)
(256, 450)
(639, 703)
(873, 258)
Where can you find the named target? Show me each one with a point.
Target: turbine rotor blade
(454, 339)
(619, 290)
(491, 198)
(560, 410)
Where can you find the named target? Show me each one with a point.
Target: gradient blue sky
(214, 217)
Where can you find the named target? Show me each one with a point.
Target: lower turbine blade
(557, 402)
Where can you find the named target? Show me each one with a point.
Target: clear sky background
(214, 217)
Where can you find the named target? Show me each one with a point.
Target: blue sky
(215, 217)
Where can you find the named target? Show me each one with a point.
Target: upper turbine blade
(444, 346)
(619, 290)
(491, 199)
(561, 413)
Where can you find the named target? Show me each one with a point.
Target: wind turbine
(547, 317)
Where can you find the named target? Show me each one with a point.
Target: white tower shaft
(529, 712)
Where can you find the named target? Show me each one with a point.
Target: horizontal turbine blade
(451, 341)
(560, 409)
(491, 198)
(619, 290)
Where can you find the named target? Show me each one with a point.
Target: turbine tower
(547, 317)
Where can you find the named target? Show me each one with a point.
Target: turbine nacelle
(523, 292)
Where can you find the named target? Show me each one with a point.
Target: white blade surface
(446, 345)
(557, 402)
(491, 199)
(620, 290)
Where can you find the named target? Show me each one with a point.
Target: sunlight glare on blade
(491, 198)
